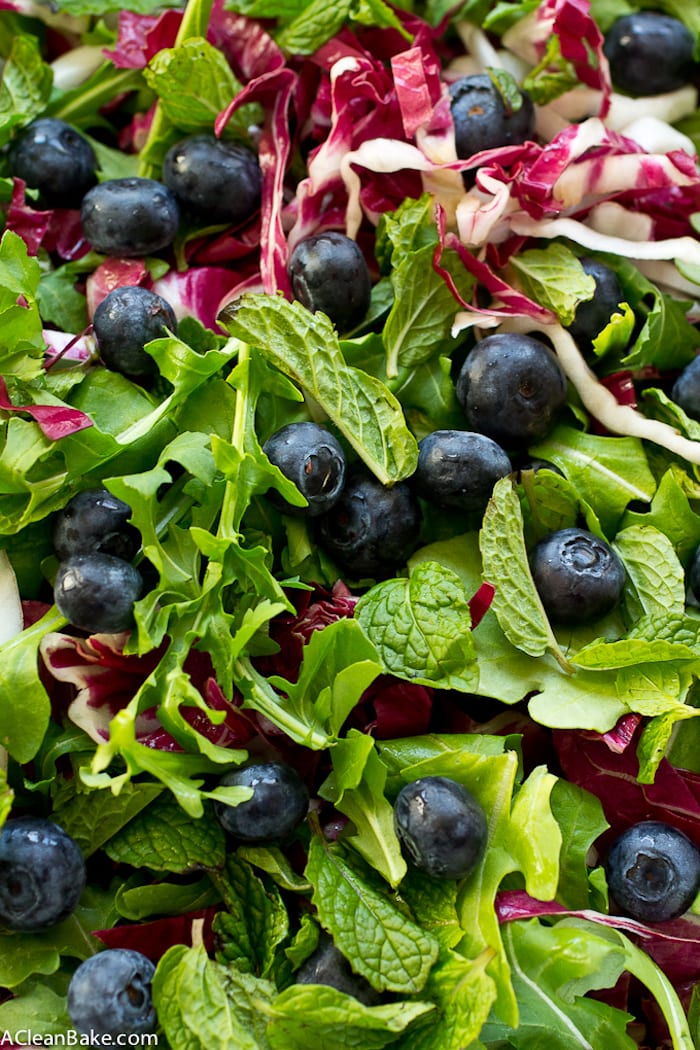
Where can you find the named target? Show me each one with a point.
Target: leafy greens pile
(247, 640)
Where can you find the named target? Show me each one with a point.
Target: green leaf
(516, 603)
(671, 513)
(379, 941)
(92, 823)
(137, 901)
(433, 904)
(255, 922)
(580, 817)
(25, 85)
(316, 24)
(356, 788)
(552, 76)
(202, 1005)
(25, 708)
(38, 1008)
(554, 278)
(304, 346)
(656, 572)
(163, 838)
(406, 230)
(276, 864)
(421, 627)
(313, 1015)
(608, 472)
(6, 797)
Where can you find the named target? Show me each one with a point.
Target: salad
(258, 628)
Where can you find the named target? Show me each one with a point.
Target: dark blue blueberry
(110, 994)
(511, 388)
(482, 118)
(130, 217)
(96, 592)
(327, 965)
(311, 457)
(578, 576)
(686, 389)
(441, 827)
(276, 808)
(328, 272)
(42, 874)
(55, 159)
(217, 181)
(653, 872)
(649, 53)
(594, 314)
(458, 468)
(127, 319)
(95, 520)
(372, 529)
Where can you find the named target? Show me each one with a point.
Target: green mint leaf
(255, 922)
(92, 824)
(194, 83)
(376, 13)
(551, 502)
(21, 353)
(580, 817)
(671, 513)
(202, 1005)
(339, 663)
(60, 303)
(405, 231)
(555, 278)
(304, 346)
(356, 788)
(380, 942)
(39, 1008)
(316, 24)
(608, 472)
(421, 627)
(25, 85)
(163, 838)
(516, 603)
(433, 904)
(419, 324)
(552, 76)
(507, 87)
(311, 1015)
(552, 969)
(655, 571)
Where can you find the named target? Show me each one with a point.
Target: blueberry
(457, 468)
(327, 965)
(649, 53)
(55, 159)
(372, 529)
(686, 389)
(653, 871)
(578, 576)
(314, 460)
(129, 217)
(42, 874)
(127, 319)
(483, 119)
(594, 314)
(110, 994)
(441, 827)
(95, 520)
(276, 808)
(328, 272)
(511, 388)
(217, 181)
(96, 592)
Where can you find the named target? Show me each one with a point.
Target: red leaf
(56, 421)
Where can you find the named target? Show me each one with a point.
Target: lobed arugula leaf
(377, 938)
(304, 346)
(421, 627)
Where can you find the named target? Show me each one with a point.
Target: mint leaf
(255, 922)
(39, 1008)
(356, 788)
(554, 278)
(304, 346)
(311, 1015)
(608, 472)
(516, 603)
(507, 87)
(421, 627)
(552, 76)
(202, 1005)
(92, 823)
(463, 992)
(433, 904)
(656, 572)
(163, 838)
(405, 231)
(379, 941)
(25, 85)
(316, 24)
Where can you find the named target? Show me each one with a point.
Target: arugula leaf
(162, 838)
(380, 942)
(516, 603)
(421, 627)
(554, 278)
(304, 346)
(136, 900)
(671, 513)
(25, 708)
(314, 1015)
(202, 1005)
(356, 788)
(580, 817)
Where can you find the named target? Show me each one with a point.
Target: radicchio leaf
(55, 421)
